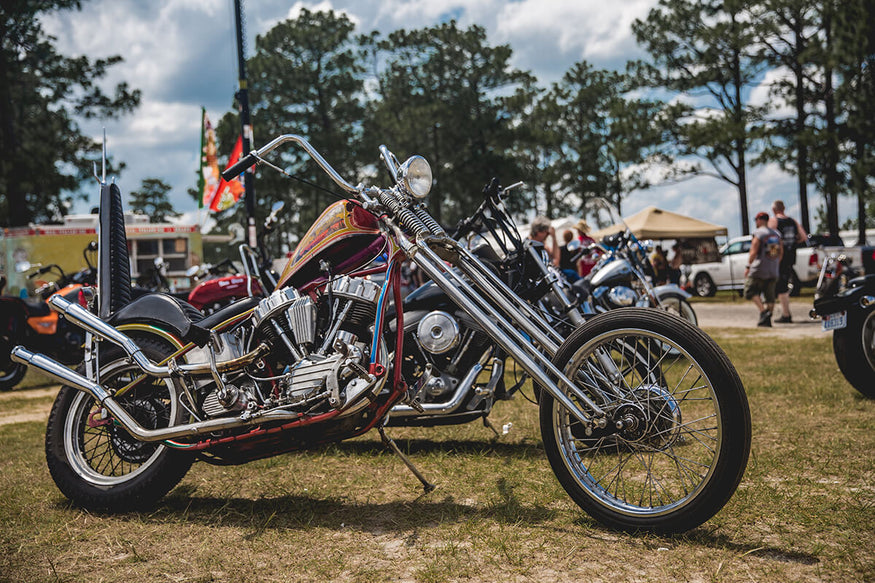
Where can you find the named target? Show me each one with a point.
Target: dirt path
(31, 412)
(744, 315)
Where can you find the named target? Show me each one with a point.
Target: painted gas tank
(345, 235)
(617, 272)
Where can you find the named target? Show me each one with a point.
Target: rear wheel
(678, 434)
(94, 461)
(11, 373)
(854, 347)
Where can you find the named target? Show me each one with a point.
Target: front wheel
(94, 461)
(854, 347)
(678, 434)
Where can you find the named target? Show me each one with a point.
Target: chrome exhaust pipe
(442, 408)
(70, 377)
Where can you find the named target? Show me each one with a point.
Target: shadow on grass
(297, 512)
(453, 446)
(706, 537)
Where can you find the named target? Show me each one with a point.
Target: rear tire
(854, 347)
(686, 437)
(94, 461)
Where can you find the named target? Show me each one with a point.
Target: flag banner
(229, 191)
(208, 181)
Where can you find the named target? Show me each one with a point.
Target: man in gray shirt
(763, 263)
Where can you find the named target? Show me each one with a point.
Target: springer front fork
(506, 318)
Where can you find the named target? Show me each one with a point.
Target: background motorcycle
(30, 321)
(220, 284)
(835, 275)
(621, 277)
(850, 314)
(309, 364)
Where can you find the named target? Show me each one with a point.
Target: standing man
(792, 235)
(541, 229)
(761, 273)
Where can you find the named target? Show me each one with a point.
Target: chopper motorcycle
(309, 364)
(850, 315)
(32, 323)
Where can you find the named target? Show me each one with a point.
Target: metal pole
(246, 126)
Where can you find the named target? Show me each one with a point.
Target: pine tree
(151, 200)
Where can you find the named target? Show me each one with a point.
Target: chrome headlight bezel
(416, 177)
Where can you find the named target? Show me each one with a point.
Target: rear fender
(671, 290)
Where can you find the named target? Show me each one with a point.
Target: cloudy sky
(181, 54)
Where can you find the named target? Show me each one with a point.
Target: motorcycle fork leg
(387, 441)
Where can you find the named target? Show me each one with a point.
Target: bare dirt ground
(743, 315)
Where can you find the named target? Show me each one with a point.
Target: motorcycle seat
(166, 312)
(37, 308)
(229, 311)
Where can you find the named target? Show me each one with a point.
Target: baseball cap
(762, 216)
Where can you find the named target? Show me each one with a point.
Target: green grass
(805, 510)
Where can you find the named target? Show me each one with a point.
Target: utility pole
(246, 126)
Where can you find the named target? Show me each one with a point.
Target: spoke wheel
(94, 461)
(677, 437)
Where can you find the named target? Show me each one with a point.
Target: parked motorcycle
(659, 444)
(835, 275)
(850, 315)
(622, 276)
(30, 321)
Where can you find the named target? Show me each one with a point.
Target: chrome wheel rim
(671, 455)
(99, 450)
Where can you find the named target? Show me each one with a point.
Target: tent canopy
(655, 223)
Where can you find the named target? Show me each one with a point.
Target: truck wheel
(704, 286)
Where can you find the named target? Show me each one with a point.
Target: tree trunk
(831, 182)
(801, 148)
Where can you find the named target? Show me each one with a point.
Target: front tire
(854, 347)
(94, 461)
(685, 439)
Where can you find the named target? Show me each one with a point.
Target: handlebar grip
(241, 165)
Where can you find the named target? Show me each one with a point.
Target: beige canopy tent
(655, 223)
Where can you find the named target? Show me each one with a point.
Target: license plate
(835, 321)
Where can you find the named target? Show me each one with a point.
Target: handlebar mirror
(277, 207)
(574, 245)
(192, 271)
(416, 177)
(23, 266)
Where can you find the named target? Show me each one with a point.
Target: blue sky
(181, 54)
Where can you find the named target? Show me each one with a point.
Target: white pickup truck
(704, 279)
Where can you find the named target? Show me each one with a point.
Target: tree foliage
(151, 200)
(446, 93)
(43, 153)
(706, 49)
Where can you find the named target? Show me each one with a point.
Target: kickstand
(486, 423)
(428, 486)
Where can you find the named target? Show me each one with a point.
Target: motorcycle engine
(320, 351)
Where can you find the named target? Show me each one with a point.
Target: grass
(805, 510)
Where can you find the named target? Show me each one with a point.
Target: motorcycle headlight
(416, 176)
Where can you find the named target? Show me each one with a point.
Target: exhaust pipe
(70, 377)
